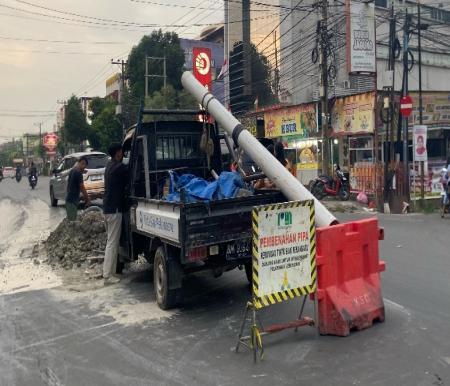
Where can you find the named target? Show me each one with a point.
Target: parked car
(9, 172)
(93, 176)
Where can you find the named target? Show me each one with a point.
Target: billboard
(360, 36)
(354, 114)
(201, 65)
(297, 120)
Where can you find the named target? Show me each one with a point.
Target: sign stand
(257, 330)
(283, 266)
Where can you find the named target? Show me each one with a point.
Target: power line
(58, 41)
(56, 52)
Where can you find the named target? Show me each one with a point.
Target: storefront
(436, 117)
(353, 125)
(297, 128)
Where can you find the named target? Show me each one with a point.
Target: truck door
(139, 187)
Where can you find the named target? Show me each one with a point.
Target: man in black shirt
(116, 178)
(75, 185)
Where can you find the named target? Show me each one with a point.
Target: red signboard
(406, 106)
(201, 65)
(50, 141)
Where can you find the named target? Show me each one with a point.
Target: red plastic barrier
(348, 273)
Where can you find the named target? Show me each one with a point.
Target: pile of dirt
(77, 243)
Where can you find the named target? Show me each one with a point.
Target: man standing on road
(75, 185)
(116, 177)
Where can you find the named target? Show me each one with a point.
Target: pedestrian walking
(75, 185)
(116, 178)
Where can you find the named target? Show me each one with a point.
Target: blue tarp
(198, 189)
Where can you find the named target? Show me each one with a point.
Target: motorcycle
(325, 185)
(33, 181)
(18, 176)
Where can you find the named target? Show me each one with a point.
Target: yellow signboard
(436, 109)
(297, 120)
(284, 252)
(354, 114)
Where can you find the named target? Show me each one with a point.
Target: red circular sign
(50, 141)
(406, 106)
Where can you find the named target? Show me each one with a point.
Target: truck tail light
(197, 253)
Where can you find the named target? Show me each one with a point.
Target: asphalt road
(116, 335)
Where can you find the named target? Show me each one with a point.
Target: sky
(50, 50)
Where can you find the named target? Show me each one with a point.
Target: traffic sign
(406, 105)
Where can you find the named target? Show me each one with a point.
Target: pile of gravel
(78, 242)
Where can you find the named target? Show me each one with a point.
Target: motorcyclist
(32, 171)
(18, 170)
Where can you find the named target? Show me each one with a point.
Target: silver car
(93, 176)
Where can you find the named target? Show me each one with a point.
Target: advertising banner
(420, 143)
(361, 36)
(354, 114)
(436, 109)
(201, 65)
(297, 120)
(284, 248)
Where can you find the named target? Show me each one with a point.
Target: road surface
(50, 335)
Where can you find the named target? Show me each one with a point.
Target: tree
(106, 127)
(157, 44)
(261, 79)
(75, 128)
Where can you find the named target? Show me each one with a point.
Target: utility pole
(389, 157)
(392, 95)
(419, 28)
(148, 75)
(406, 30)
(40, 138)
(122, 63)
(324, 87)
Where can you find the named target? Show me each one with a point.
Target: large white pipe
(283, 179)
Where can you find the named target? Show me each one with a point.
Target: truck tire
(248, 271)
(166, 297)
(53, 200)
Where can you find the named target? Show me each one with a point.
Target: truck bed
(188, 225)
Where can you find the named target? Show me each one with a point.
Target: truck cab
(182, 237)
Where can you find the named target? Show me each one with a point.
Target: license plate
(238, 249)
(97, 178)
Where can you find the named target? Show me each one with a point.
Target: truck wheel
(165, 297)
(53, 200)
(248, 271)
